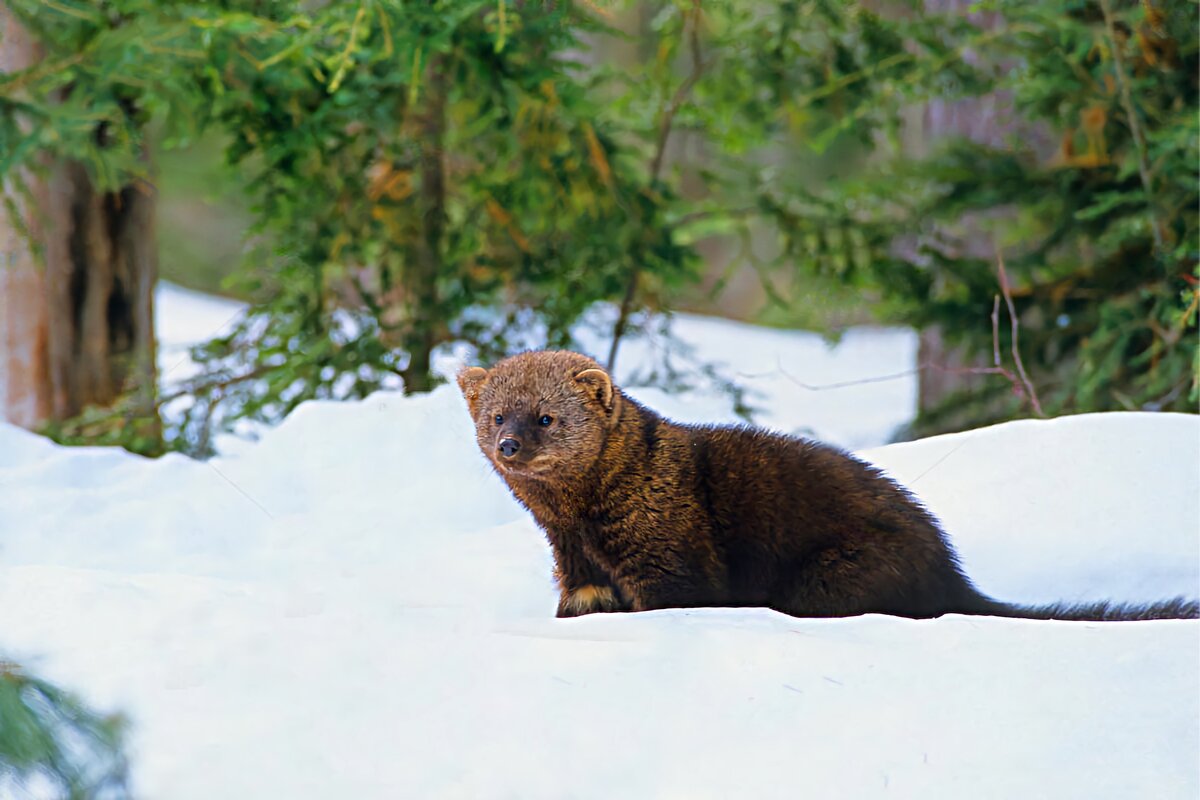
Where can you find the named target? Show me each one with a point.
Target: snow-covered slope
(354, 607)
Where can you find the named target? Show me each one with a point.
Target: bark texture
(24, 323)
(101, 266)
(76, 288)
(425, 256)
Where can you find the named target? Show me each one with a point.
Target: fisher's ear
(471, 381)
(598, 384)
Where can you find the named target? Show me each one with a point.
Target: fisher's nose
(509, 447)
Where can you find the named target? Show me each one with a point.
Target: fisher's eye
(545, 420)
(499, 419)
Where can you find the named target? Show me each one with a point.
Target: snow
(182, 318)
(354, 606)
(854, 393)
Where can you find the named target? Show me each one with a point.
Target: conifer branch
(1135, 126)
(666, 122)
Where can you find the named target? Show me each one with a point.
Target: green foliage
(122, 424)
(1098, 229)
(52, 745)
(468, 172)
(203, 216)
(410, 167)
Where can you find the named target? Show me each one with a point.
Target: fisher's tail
(1177, 608)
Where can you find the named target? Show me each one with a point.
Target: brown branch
(839, 385)
(710, 213)
(1020, 381)
(1170, 396)
(1016, 353)
(996, 331)
(207, 387)
(366, 296)
(666, 122)
(426, 255)
(1135, 127)
(893, 376)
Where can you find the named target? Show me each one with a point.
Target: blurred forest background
(383, 180)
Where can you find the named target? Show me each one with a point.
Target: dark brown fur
(645, 513)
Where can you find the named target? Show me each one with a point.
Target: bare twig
(1016, 353)
(666, 121)
(209, 387)
(162, 376)
(668, 116)
(1135, 127)
(779, 369)
(367, 297)
(710, 213)
(1170, 396)
(882, 378)
(623, 315)
(1019, 381)
(996, 331)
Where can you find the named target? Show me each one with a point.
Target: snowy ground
(354, 607)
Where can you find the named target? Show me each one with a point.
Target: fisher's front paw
(588, 600)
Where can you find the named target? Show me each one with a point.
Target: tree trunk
(24, 324)
(76, 288)
(425, 256)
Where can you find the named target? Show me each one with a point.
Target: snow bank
(355, 607)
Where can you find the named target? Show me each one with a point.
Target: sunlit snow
(354, 607)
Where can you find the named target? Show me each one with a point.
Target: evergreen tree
(1085, 189)
(423, 174)
(53, 745)
(469, 171)
(78, 259)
